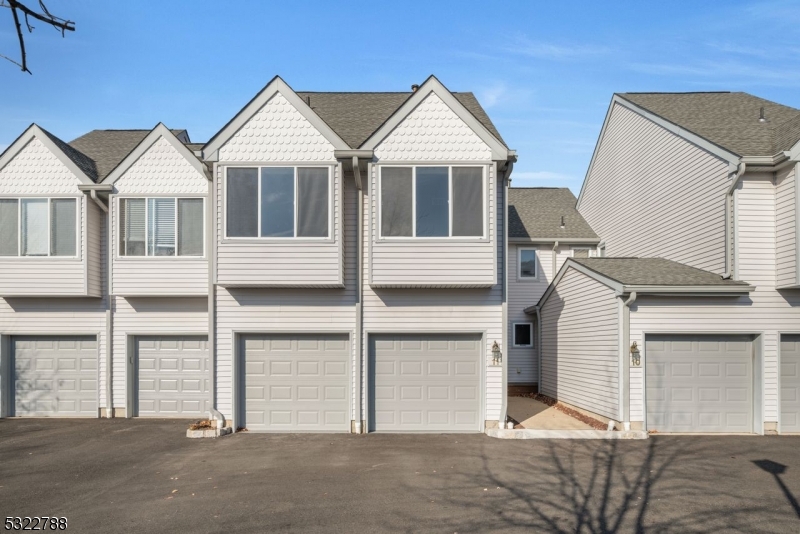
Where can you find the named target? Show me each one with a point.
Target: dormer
(50, 231)
(159, 214)
(436, 198)
(279, 195)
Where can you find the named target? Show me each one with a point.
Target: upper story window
(39, 227)
(527, 263)
(431, 202)
(278, 202)
(161, 227)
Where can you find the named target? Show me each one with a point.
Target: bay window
(161, 227)
(39, 227)
(277, 202)
(431, 201)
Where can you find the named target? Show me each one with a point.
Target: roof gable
(174, 157)
(37, 139)
(432, 86)
(273, 88)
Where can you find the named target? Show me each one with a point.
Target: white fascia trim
(568, 241)
(688, 290)
(34, 131)
(570, 263)
(693, 138)
(277, 85)
(433, 85)
(150, 139)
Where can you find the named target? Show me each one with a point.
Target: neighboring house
(544, 229)
(707, 181)
(326, 262)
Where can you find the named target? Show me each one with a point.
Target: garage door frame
(758, 370)
(482, 362)
(6, 369)
(780, 374)
(131, 369)
(237, 367)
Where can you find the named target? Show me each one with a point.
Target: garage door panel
(306, 388)
(173, 376)
(425, 382)
(699, 384)
(790, 383)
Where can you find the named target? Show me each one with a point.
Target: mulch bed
(583, 418)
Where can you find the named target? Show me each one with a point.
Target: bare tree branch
(45, 16)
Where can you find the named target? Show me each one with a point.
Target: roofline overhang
(35, 131)
(350, 153)
(567, 240)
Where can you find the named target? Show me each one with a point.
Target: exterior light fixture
(497, 356)
(636, 358)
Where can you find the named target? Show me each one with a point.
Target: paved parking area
(139, 476)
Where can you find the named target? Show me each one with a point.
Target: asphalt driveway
(138, 476)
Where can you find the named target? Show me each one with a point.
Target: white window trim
(49, 257)
(520, 277)
(146, 257)
(514, 334)
(271, 239)
(450, 236)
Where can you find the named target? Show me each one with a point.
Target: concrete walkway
(532, 414)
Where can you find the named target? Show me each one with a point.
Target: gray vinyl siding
(96, 249)
(580, 345)
(281, 263)
(150, 316)
(651, 193)
(437, 262)
(786, 228)
(288, 310)
(441, 310)
(765, 311)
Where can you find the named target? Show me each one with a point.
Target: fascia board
(34, 131)
(277, 85)
(689, 136)
(150, 139)
(569, 240)
(570, 263)
(688, 290)
(432, 85)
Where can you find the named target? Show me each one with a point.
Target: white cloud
(552, 51)
(723, 72)
(500, 94)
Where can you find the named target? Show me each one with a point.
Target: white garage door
(425, 383)
(295, 383)
(55, 376)
(174, 376)
(699, 383)
(790, 383)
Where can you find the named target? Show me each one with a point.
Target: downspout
(211, 250)
(626, 361)
(504, 370)
(359, 426)
(555, 261)
(538, 316)
(741, 169)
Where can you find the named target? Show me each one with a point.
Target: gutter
(626, 361)
(570, 240)
(729, 267)
(555, 262)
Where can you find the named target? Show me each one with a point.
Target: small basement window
(523, 334)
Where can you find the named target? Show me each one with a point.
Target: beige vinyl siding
(440, 310)
(63, 316)
(433, 262)
(96, 249)
(580, 345)
(786, 228)
(651, 193)
(281, 263)
(523, 362)
(765, 311)
(285, 310)
(151, 316)
(162, 277)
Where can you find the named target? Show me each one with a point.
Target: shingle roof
(654, 272)
(729, 120)
(83, 162)
(356, 116)
(535, 212)
(109, 147)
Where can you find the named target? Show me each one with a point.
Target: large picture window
(431, 201)
(161, 227)
(39, 227)
(278, 202)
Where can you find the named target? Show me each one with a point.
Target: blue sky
(544, 71)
